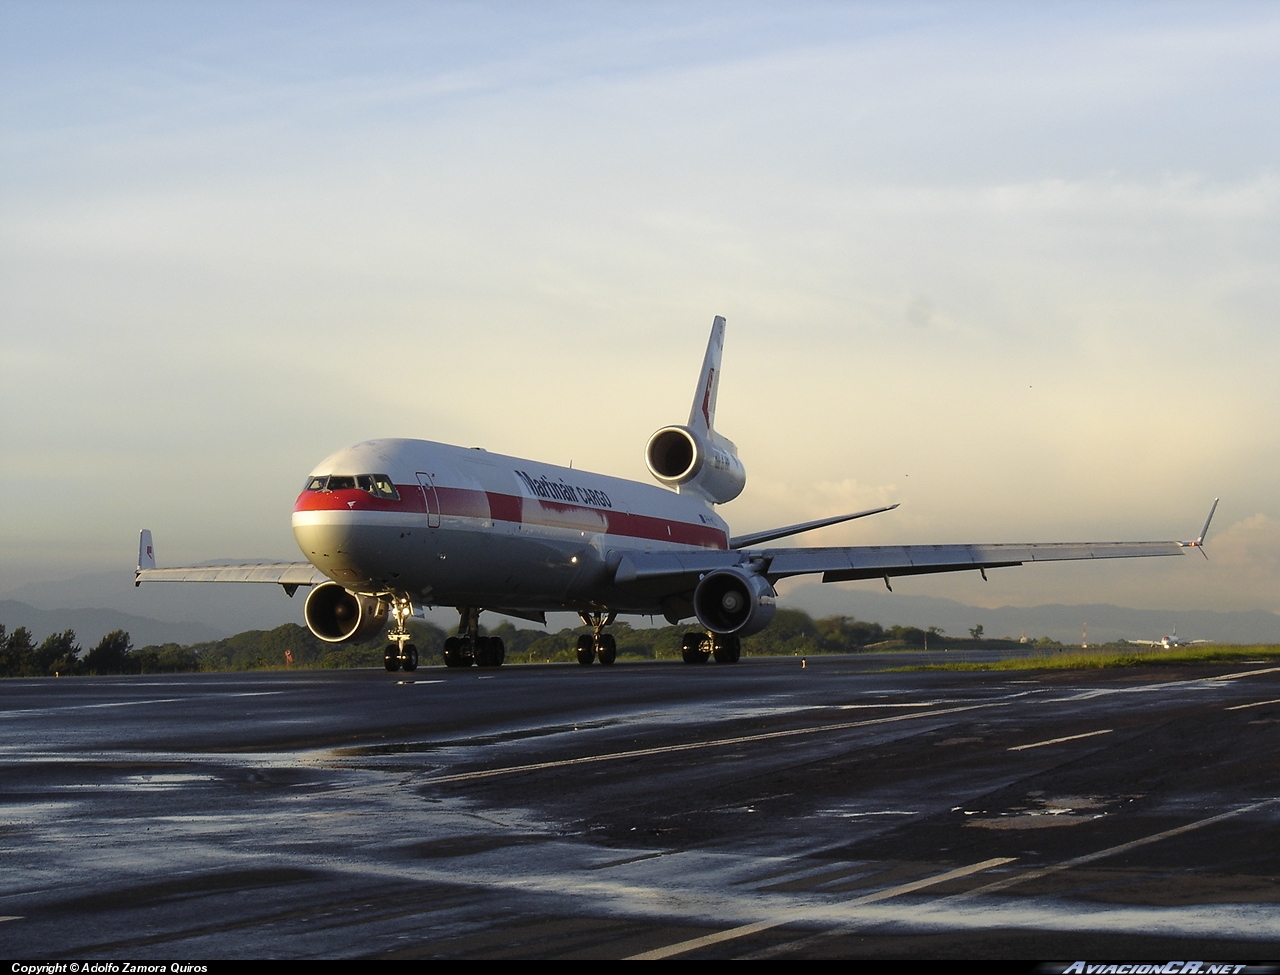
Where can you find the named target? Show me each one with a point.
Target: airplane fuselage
(454, 526)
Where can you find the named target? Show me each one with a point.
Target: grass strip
(1097, 660)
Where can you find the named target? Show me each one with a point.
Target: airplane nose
(332, 547)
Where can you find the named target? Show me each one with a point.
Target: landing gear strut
(697, 648)
(400, 653)
(598, 644)
(469, 647)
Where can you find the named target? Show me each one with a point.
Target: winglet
(1199, 542)
(702, 415)
(146, 554)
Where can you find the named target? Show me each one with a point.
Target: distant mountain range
(1058, 622)
(94, 605)
(226, 608)
(91, 625)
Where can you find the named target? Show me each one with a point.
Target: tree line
(792, 631)
(60, 655)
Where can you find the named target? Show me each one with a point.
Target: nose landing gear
(400, 653)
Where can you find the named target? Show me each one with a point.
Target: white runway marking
(1001, 915)
(87, 707)
(1054, 741)
(1245, 673)
(748, 929)
(1255, 704)
(861, 707)
(1111, 851)
(1193, 682)
(693, 746)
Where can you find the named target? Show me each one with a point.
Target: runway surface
(654, 810)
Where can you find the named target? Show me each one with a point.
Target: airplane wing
(291, 575)
(671, 573)
(284, 573)
(674, 573)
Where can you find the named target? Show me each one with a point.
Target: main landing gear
(698, 648)
(400, 653)
(468, 647)
(598, 644)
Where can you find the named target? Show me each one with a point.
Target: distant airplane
(391, 526)
(1172, 640)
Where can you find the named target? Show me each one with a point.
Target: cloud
(1013, 269)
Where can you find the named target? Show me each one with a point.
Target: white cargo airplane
(391, 526)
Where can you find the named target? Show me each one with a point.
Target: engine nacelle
(688, 461)
(336, 615)
(734, 601)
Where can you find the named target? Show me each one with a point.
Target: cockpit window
(379, 485)
(382, 487)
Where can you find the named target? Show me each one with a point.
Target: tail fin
(702, 415)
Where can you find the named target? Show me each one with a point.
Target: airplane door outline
(430, 499)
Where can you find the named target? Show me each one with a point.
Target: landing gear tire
(727, 649)
(457, 652)
(695, 648)
(490, 651)
(608, 649)
(409, 657)
(586, 650)
(391, 658)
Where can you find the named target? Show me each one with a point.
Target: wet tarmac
(654, 810)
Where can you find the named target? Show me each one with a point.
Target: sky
(1011, 265)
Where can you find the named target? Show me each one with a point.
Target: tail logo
(706, 397)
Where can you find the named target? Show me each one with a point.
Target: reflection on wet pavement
(808, 812)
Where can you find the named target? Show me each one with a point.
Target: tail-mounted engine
(693, 462)
(336, 615)
(734, 601)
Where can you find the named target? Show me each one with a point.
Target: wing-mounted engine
(690, 462)
(336, 615)
(734, 601)
(694, 459)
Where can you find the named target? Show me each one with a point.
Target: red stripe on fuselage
(357, 500)
(534, 512)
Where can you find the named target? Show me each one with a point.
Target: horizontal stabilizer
(755, 538)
